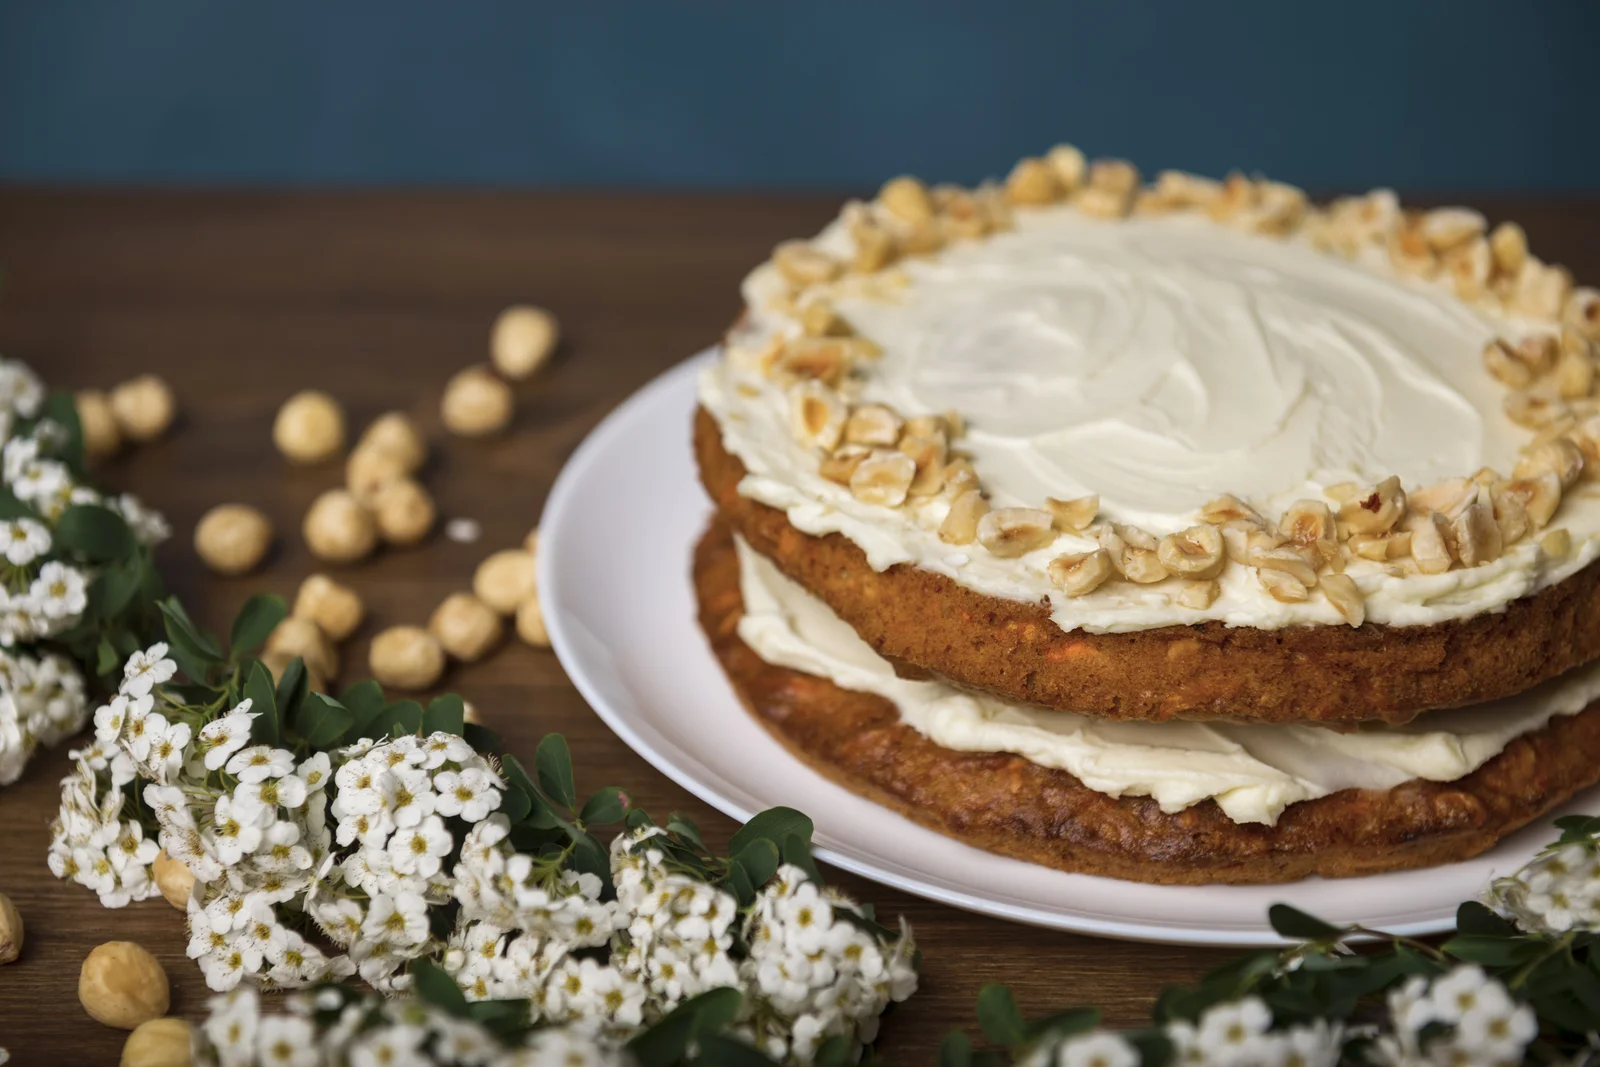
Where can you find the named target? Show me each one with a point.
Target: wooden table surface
(241, 299)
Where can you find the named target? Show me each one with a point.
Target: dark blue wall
(1417, 93)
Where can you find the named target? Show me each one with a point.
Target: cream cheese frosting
(1253, 772)
(1159, 362)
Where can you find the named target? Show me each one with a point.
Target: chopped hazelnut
(1080, 573)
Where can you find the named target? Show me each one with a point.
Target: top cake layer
(1227, 406)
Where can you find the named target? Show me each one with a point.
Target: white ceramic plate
(615, 545)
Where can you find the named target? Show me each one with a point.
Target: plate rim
(561, 499)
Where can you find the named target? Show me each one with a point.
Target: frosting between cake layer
(1253, 772)
(1158, 362)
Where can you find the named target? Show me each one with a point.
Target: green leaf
(60, 407)
(999, 1016)
(638, 819)
(834, 1052)
(720, 1050)
(268, 727)
(515, 805)
(667, 1042)
(739, 884)
(1294, 923)
(1155, 1049)
(260, 615)
(365, 701)
(258, 687)
(1474, 918)
(1064, 1024)
(401, 718)
(553, 760)
(322, 721)
(106, 658)
(118, 584)
(606, 806)
(1492, 951)
(12, 508)
(445, 714)
(435, 986)
(955, 1050)
(684, 827)
(194, 652)
(481, 738)
(775, 825)
(94, 533)
(797, 853)
(760, 861)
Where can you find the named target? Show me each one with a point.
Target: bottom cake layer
(1005, 804)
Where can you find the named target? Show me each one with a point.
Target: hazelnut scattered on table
(505, 580)
(396, 432)
(336, 609)
(122, 985)
(404, 512)
(11, 930)
(406, 657)
(233, 539)
(531, 542)
(476, 403)
(144, 408)
(466, 627)
(469, 713)
(174, 879)
(530, 623)
(338, 528)
(309, 427)
(164, 1042)
(372, 468)
(101, 437)
(297, 636)
(522, 340)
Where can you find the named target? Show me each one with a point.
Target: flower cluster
(819, 968)
(1463, 1016)
(1556, 893)
(334, 1026)
(42, 702)
(46, 573)
(91, 842)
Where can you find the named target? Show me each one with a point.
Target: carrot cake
(1186, 450)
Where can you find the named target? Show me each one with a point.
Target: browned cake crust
(1005, 804)
(926, 623)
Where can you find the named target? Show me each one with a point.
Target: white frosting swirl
(1157, 362)
(1253, 772)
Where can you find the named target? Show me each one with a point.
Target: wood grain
(241, 299)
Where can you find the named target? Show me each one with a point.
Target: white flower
(419, 849)
(166, 751)
(231, 1027)
(408, 794)
(401, 919)
(24, 540)
(391, 1046)
(1226, 1028)
(259, 762)
(286, 1041)
(231, 835)
(60, 590)
(315, 771)
(146, 670)
(471, 793)
(109, 720)
(141, 729)
(222, 737)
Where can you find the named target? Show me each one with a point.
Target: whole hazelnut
(505, 580)
(165, 1042)
(396, 432)
(531, 542)
(336, 609)
(404, 511)
(522, 340)
(469, 713)
(530, 623)
(276, 662)
(143, 407)
(296, 636)
(233, 538)
(476, 403)
(174, 879)
(122, 985)
(406, 657)
(11, 931)
(101, 438)
(309, 427)
(371, 468)
(338, 528)
(466, 627)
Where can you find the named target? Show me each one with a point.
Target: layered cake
(1182, 531)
